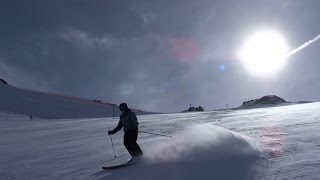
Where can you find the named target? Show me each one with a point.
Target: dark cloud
(155, 55)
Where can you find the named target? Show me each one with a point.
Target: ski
(117, 166)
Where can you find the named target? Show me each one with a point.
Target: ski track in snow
(267, 143)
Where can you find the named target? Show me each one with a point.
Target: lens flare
(184, 50)
(264, 53)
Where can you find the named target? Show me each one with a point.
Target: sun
(264, 53)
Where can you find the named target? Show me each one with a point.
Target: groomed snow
(266, 143)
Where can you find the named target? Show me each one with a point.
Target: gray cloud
(155, 55)
(19, 78)
(80, 37)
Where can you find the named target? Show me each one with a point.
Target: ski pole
(114, 152)
(155, 134)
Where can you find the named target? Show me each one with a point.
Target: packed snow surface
(267, 143)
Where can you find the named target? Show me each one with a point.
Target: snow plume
(304, 45)
(198, 152)
(203, 142)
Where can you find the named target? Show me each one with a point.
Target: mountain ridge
(45, 105)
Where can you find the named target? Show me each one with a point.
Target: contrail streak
(303, 45)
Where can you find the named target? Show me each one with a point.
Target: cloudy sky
(156, 55)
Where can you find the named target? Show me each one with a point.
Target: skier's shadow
(104, 173)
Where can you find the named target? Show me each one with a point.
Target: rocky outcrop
(3, 82)
(193, 109)
(264, 101)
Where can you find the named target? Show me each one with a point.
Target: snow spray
(203, 142)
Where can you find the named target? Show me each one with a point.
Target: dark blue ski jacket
(128, 120)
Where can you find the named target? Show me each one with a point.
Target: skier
(128, 121)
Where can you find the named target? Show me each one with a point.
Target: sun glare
(264, 53)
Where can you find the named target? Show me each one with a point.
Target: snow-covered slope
(267, 143)
(51, 106)
(10, 115)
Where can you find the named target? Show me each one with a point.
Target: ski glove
(110, 132)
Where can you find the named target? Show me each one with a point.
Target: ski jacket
(128, 120)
